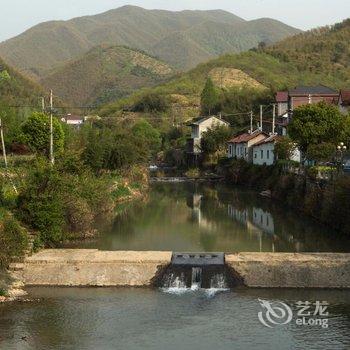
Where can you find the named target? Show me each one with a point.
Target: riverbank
(326, 201)
(51, 206)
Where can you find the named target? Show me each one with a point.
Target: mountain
(182, 39)
(104, 74)
(16, 89)
(319, 56)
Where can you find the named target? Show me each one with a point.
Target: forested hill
(320, 56)
(15, 89)
(183, 39)
(324, 52)
(106, 73)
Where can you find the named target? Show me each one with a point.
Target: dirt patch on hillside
(231, 77)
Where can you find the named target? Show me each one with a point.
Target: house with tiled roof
(200, 126)
(264, 150)
(289, 100)
(240, 146)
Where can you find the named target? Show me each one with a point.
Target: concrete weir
(81, 267)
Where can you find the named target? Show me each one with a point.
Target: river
(187, 217)
(139, 319)
(212, 217)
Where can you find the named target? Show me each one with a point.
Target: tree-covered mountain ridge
(319, 56)
(182, 39)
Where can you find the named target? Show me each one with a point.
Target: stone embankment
(79, 267)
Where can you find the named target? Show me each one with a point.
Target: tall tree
(315, 124)
(36, 133)
(209, 98)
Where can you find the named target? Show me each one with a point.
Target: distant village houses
(241, 146)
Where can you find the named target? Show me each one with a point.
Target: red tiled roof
(272, 138)
(319, 90)
(245, 137)
(345, 97)
(282, 96)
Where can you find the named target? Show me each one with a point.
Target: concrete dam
(92, 267)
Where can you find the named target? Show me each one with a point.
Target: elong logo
(277, 313)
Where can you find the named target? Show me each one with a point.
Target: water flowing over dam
(195, 271)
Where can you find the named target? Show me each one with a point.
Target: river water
(138, 319)
(213, 217)
(188, 217)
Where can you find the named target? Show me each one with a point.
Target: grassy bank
(326, 201)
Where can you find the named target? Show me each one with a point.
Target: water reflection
(213, 217)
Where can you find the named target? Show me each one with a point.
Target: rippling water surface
(135, 319)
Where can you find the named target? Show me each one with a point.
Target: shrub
(40, 203)
(13, 240)
(193, 173)
(152, 102)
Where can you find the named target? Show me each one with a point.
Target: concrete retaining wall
(285, 270)
(79, 267)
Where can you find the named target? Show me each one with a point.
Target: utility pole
(3, 144)
(273, 118)
(261, 117)
(5, 156)
(43, 104)
(52, 159)
(251, 122)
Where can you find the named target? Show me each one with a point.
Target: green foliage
(13, 240)
(323, 152)
(209, 98)
(36, 133)
(284, 148)
(40, 203)
(152, 102)
(214, 140)
(315, 124)
(113, 148)
(4, 77)
(147, 134)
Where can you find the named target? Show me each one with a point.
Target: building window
(255, 155)
(268, 154)
(262, 154)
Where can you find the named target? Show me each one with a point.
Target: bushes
(13, 240)
(152, 102)
(40, 203)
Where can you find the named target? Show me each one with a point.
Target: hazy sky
(19, 15)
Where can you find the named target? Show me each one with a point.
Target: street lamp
(341, 150)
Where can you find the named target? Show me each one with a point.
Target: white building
(264, 151)
(198, 128)
(240, 146)
(71, 119)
